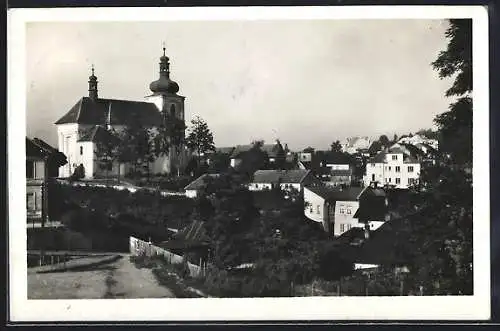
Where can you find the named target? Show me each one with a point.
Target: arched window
(172, 110)
(81, 150)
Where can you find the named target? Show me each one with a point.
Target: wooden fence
(141, 247)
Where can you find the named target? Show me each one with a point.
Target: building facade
(392, 168)
(42, 163)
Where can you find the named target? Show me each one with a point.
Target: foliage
(200, 138)
(253, 160)
(219, 163)
(384, 141)
(455, 125)
(336, 146)
(78, 173)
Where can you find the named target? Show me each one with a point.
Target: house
(195, 187)
(273, 151)
(42, 163)
(341, 209)
(340, 169)
(392, 167)
(355, 144)
(84, 125)
(419, 139)
(284, 179)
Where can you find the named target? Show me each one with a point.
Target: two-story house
(341, 209)
(392, 167)
(42, 163)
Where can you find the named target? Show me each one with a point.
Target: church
(90, 120)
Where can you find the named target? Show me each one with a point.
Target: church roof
(97, 134)
(122, 112)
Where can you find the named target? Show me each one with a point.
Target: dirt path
(127, 281)
(118, 279)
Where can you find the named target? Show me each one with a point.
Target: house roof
(38, 148)
(330, 157)
(337, 193)
(199, 182)
(224, 150)
(341, 172)
(280, 176)
(121, 112)
(379, 158)
(98, 134)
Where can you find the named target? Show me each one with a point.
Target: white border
(344, 308)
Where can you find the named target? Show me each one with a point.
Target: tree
(384, 141)
(108, 150)
(455, 125)
(336, 146)
(200, 138)
(253, 159)
(169, 137)
(395, 138)
(309, 150)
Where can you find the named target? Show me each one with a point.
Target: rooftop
(280, 176)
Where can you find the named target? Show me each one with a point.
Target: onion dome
(164, 84)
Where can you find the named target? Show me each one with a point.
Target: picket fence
(141, 247)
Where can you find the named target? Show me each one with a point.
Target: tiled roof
(38, 148)
(122, 112)
(280, 176)
(272, 150)
(98, 134)
(199, 182)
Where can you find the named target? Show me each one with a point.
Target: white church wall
(67, 137)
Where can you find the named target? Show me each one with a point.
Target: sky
(306, 82)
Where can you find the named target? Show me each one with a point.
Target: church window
(81, 150)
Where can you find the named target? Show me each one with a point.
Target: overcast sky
(306, 82)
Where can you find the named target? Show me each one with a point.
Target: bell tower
(93, 86)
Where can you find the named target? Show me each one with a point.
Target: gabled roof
(224, 150)
(280, 176)
(98, 134)
(337, 193)
(38, 148)
(199, 182)
(121, 112)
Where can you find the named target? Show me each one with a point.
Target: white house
(392, 167)
(82, 127)
(284, 179)
(337, 209)
(418, 139)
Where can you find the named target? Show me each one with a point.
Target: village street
(118, 279)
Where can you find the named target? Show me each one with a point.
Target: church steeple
(164, 84)
(93, 86)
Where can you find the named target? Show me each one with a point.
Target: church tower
(93, 86)
(171, 105)
(165, 90)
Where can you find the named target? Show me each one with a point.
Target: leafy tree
(455, 125)
(200, 138)
(384, 141)
(219, 162)
(336, 146)
(109, 150)
(169, 137)
(395, 138)
(253, 160)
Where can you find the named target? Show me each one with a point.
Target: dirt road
(118, 279)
